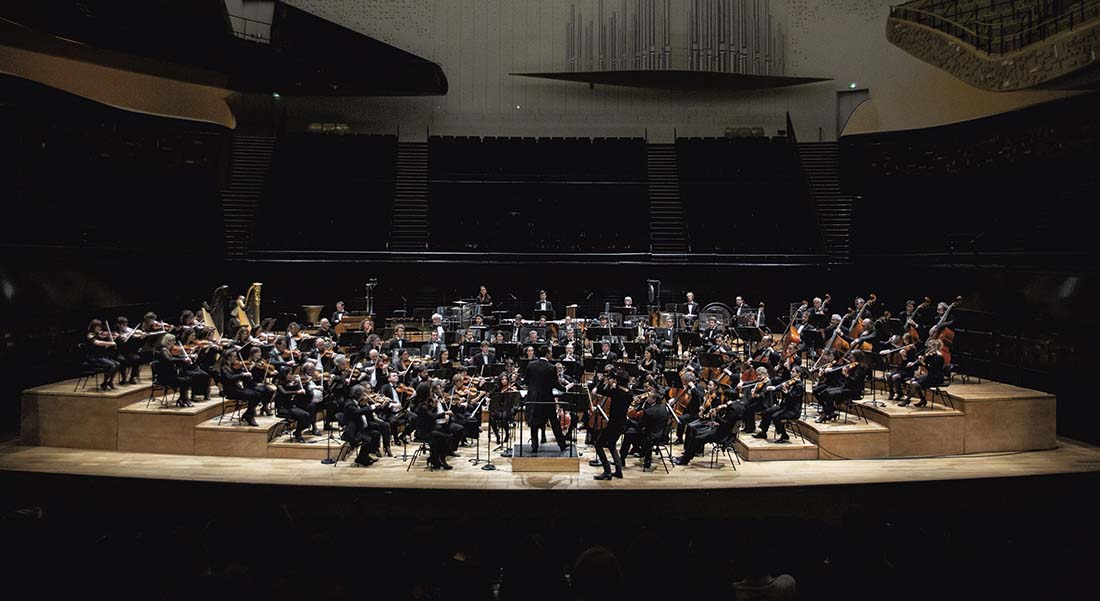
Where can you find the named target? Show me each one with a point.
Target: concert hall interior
(550, 299)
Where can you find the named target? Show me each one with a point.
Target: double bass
(946, 335)
(857, 323)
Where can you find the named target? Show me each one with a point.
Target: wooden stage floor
(1070, 457)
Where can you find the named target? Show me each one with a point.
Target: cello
(946, 335)
(857, 322)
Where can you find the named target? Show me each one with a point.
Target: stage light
(852, 86)
(276, 95)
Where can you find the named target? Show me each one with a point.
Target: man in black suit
(541, 379)
(356, 426)
(483, 358)
(691, 308)
(433, 348)
(338, 315)
(543, 304)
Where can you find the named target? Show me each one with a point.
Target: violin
(405, 389)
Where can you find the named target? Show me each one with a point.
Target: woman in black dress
(934, 364)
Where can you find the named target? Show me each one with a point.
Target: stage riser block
(54, 415)
(167, 430)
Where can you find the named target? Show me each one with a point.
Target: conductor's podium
(549, 458)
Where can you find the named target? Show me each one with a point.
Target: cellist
(691, 404)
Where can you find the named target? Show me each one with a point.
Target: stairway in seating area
(409, 229)
(250, 164)
(667, 226)
(834, 209)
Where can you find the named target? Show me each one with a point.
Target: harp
(214, 312)
(252, 303)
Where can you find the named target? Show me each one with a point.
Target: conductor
(541, 378)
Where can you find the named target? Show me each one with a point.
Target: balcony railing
(1016, 28)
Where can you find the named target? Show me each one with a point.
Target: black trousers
(706, 433)
(130, 363)
(381, 431)
(198, 381)
(439, 445)
(108, 365)
(606, 440)
(641, 440)
(302, 418)
(537, 423)
(777, 415)
(364, 440)
(685, 419)
(830, 397)
(250, 396)
(748, 414)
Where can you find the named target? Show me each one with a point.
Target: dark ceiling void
(191, 39)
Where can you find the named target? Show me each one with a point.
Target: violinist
(391, 409)
(898, 358)
(175, 368)
(339, 313)
(934, 365)
(314, 389)
(758, 399)
(434, 423)
(848, 388)
(650, 424)
(261, 373)
(243, 337)
(357, 431)
(129, 341)
(322, 353)
(281, 356)
(499, 418)
(150, 324)
(325, 330)
(381, 373)
(101, 351)
(291, 401)
(615, 386)
(691, 411)
(379, 429)
(201, 354)
(293, 335)
(238, 385)
(714, 428)
(187, 320)
(793, 392)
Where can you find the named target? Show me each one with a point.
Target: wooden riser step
(56, 415)
(919, 431)
(152, 428)
(755, 449)
(852, 440)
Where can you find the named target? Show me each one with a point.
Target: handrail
(991, 37)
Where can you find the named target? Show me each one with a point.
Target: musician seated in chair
(356, 430)
(934, 365)
(848, 388)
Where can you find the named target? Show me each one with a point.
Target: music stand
(812, 339)
(689, 339)
(573, 369)
(506, 349)
(820, 320)
(877, 362)
(504, 402)
(548, 314)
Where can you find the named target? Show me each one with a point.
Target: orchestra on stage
(633, 381)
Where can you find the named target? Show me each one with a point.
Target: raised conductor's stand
(549, 457)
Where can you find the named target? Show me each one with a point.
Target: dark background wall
(115, 213)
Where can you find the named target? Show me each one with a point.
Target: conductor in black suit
(541, 378)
